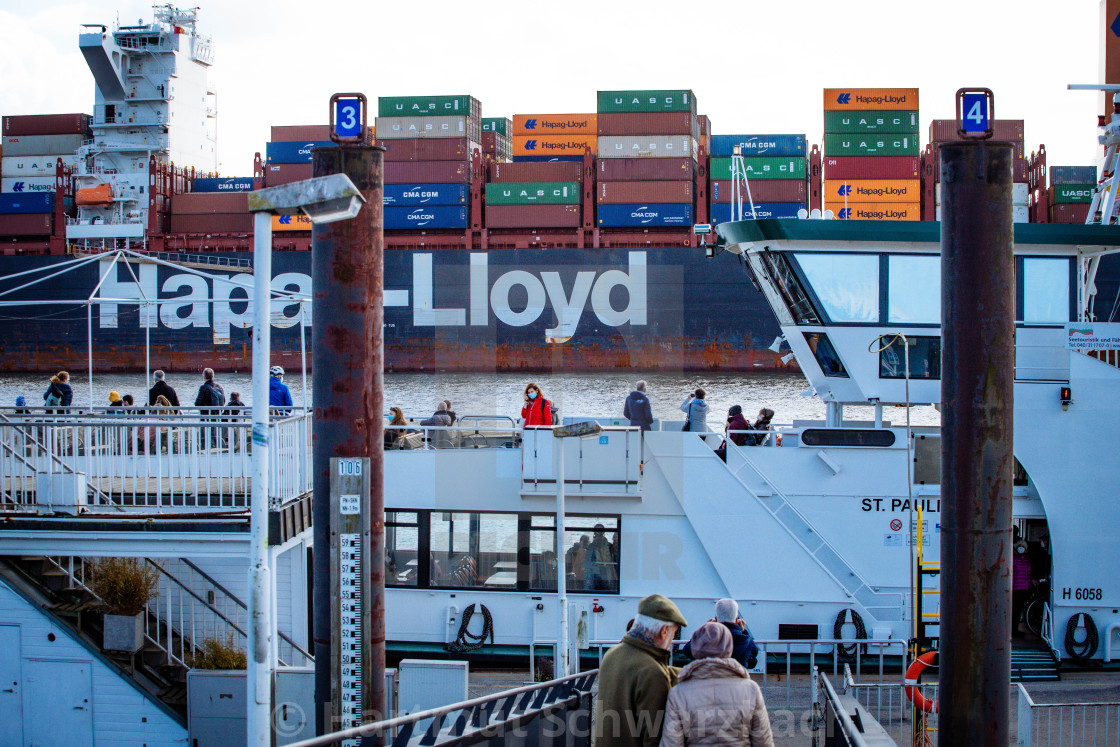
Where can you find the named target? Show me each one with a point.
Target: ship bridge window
(925, 359)
(825, 353)
(787, 283)
(913, 289)
(1045, 290)
(847, 285)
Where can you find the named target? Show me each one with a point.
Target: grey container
(389, 128)
(647, 146)
(1069, 175)
(42, 145)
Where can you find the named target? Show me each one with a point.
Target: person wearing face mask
(1020, 584)
(536, 411)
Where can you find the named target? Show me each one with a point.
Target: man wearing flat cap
(635, 678)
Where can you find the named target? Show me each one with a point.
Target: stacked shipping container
(497, 144)
(1071, 193)
(1008, 130)
(871, 154)
(648, 149)
(552, 137)
(776, 176)
(429, 142)
(30, 149)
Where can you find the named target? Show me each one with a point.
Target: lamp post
(323, 200)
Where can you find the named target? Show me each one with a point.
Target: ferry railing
(551, 713)
(196, 459)
(1047, 631)
(846, 720)
(1043, 724)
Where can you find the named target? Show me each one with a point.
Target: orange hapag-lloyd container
(554, 124)
(874, 210)
(553, 145)
(291, 223)
(870, 99)
(872, 190)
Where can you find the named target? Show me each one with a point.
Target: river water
(577, 394)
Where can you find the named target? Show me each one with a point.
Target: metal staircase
(1031, 661)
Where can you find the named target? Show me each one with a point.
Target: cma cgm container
(427, 149)
(47, 124)
(554, 171)
(870, 99)
(648, 146)
(646, 169)
(649, 123)
(762, 190)
(857, 122)
(553, 145)
(871, 167)
(25, 204)
(645, 216)
(759, 145)
(40, 145)
(646, 101)
(876, 210)
(881, 144)
(725, 212)
(622, 193)
(1073, 174)
(34, 165)
(227, 184)
(533, 193)
(430, 172)
(428, 217)
(760, 168)
(428, 127)
(297, 152)
(872, 190)
(533, 216)
(429, 106)
(553, 124)
(416, 195)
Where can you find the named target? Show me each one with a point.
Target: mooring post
(347, 270)
(977, 378)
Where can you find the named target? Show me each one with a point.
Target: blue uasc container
(223, 184)
(26, 203)
(546, 159)
(633, 216)
(297, 152)
(405, 195)
(759, 145)
(427, 217)
(722, 212)
(1073, 174)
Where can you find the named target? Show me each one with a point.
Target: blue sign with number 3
(975, 116)
(348, 117)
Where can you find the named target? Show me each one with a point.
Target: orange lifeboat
(102, 194)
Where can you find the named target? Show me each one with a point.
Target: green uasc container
(500, 125)
(871, 122)
(761, 167)
(533, 193)
(871, 144)
(1078, 194)
(646, 101)
(428, 106)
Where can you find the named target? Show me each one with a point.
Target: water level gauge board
(350, 592)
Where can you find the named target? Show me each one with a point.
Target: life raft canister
(928, 659)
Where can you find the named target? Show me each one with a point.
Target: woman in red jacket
(537, 411)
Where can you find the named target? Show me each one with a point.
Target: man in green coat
(635, 678)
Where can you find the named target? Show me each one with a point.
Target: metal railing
(890, 706)
(183, 258)
(846, 720)
(1043, 724)
(551, 713)
(189, 460)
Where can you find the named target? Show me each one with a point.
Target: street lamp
(324, 199)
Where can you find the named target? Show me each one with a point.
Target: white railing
(192, 460)
(1043, 724)
(889, 705)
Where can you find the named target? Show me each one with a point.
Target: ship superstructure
(152, 101)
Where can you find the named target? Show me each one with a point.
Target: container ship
(532, 242)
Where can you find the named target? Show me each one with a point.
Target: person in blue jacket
(279, 396)
(743, 648)
(637, 407)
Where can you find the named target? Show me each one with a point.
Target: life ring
(928, 659)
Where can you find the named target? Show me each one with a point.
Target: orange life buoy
(928, 659)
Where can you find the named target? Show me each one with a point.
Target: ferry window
(1046, 290)
(591, 553)
(925, 359)
(788, 285)
(402, 548)
(826, 355)
(846, 284)
(476, 550)
(913, 289)
(846, 437)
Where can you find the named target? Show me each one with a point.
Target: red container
(47, 124)
(1019, 166)
(212, 223)
(649, 123)
(27, 224)
(276, 174)
(1064, 213)
(871, 167)
(943, 130)
(427, 172)
(428, 149)
(294, 133)
(705, 132)
(1020, 148)
(763, 190)
(646, 169)
(207, 203)
(547, 171)
(532, 216)
(622, 193)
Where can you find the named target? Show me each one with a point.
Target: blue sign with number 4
(348, 117)
(975, 108)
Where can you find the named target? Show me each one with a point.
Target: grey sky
(754, 67)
